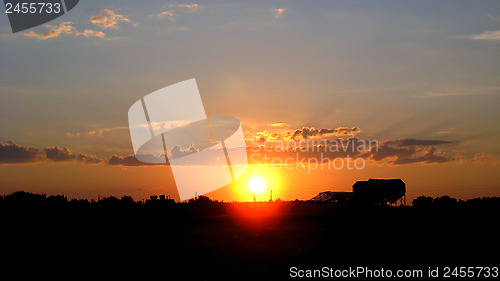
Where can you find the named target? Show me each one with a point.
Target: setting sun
(257, 185)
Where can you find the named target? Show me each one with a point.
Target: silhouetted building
(164, 198)
(380, 191)
(159, 201)
(332, 197)
(370, 192)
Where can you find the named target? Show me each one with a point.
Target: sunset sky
(420, 77)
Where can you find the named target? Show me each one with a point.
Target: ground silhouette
(204, 239)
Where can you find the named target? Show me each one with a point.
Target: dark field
(242, 241)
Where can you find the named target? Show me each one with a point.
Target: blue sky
(326, 63)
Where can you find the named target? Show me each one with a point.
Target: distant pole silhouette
(271, 195)
(254, 199)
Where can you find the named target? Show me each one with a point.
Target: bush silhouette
(422, 202)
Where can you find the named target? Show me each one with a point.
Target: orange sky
(461, 179)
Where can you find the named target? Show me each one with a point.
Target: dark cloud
(57, 154)
(407, 151)
(429, 155)
(310, 132)
(410, 142)
(88, 159)
(385, 151)
(178, 152)
(11, 153)
(131, 160)
(397, 152)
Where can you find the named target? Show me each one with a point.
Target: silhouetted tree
(445, 202)
(422, 202)
(127, 201)
(79, 203)
(24, 196)
(109, 202)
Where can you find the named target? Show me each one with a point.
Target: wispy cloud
(106, 19)
(492, 35)
(280, 124)
(493, 18)
(109, 19)
(165, 14)
(55, 31)
(171, 11)
(187, 6)
(461, 92)
(97, 132)
(64, 28)
(485, 36)
(93, 33)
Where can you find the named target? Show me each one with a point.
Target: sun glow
(257, 185)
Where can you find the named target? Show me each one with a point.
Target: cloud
(98, 132)
(187, 6)
(280, 124)
(461, 92)
(445, 94)
(164, 14)
(93, 33)
(171, 13)
(408, 151)
(278, 12)
(95, 133)
(394, 152)
(178, 151)
(88, 159)
(109, 19)
(55, 31)
(428, 155)
(485, 36)
(64, 28)
(386, 152)
(57, 154)
(312, 132)
(304, 133)
(106, 19)
(129, 160)
(493, 18)
(11, 153)
(410, 142)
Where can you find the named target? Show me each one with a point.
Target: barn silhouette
(370, 192)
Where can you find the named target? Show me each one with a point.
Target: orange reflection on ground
(256, 215)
